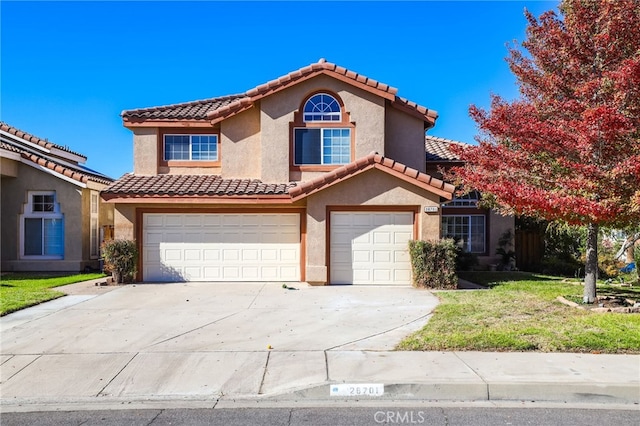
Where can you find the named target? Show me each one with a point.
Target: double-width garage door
(221, 247)
(370, 247)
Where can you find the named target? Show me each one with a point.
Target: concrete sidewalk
(119, 363)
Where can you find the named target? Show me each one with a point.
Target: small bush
(121, 259)
(433, 264)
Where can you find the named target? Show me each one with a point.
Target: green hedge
(433, 264)
(121, 259)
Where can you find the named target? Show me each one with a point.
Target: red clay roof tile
(379, 162)
(209, 108)
(131, 185)
(438, 149)
(65, 168)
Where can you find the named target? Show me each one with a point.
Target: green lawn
(520, 313)
(18, 291)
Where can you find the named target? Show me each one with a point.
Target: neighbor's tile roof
(35, 139)
(137, 186)
(215, 109)
(74, 171)
(371, 161)
(438, 149)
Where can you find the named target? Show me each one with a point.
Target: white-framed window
(190, 147)
(326, 143)
(468, 230)
(94, 230)
(467, 200)
(320, 146)
(41, 227)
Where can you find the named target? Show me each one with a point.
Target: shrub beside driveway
(521, 313)
(19, 291)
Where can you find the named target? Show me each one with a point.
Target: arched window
(324, 136)
(322, 107)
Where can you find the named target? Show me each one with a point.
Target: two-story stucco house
(52, 217)
(317, 176)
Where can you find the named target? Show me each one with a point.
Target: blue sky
(68, 69)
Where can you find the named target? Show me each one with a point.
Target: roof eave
(196, 199)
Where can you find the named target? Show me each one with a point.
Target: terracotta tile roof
(138, 186)
(438, 149)
(195, 110)
(371, 161)
(71, 170)
(217, 109)
(35, 139)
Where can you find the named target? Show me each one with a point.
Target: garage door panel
(214, 247)
(382, 237)
(211, 255)
(370, 247)
(359, 256)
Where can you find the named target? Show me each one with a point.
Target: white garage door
(371, 247)
(221, 247)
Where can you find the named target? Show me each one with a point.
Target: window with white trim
(467, 200)
(190, 147)
(323, 140)
(468, 230)
(42, 227)
(94, 237)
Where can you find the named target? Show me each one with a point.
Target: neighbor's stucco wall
(498, 225)
(145, 151)
(8, 167)
(405, 139)
(371, 188)
(14, 195)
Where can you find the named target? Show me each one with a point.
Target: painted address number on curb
(360, 389)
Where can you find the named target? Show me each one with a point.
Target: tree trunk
(591, 265)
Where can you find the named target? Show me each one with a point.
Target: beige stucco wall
(276, 112)
(145, 151)
(240, 150)
(73, 206)
(371, 188)
(405, 139)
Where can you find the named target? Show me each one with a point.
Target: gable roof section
(43, 143)
(47, 156)
(438, 149)
(373, 161)
(135, 187)
(161, 188)
(217, 109)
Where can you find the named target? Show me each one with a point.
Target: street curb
(473, 391)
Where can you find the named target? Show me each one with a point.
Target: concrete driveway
(182, 339)
(220, 317)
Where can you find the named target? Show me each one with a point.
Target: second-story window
(191, 147)
(324, 138)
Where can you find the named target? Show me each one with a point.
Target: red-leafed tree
(568, 148)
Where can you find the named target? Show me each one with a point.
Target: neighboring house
(478, 229)
(52, 216)
(317, 176)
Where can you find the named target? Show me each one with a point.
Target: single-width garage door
(370, 247)
(221, 247)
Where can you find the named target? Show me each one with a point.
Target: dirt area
(101, 285)
(605, 304)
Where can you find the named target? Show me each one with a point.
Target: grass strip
(19, 291)
(520, 313)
